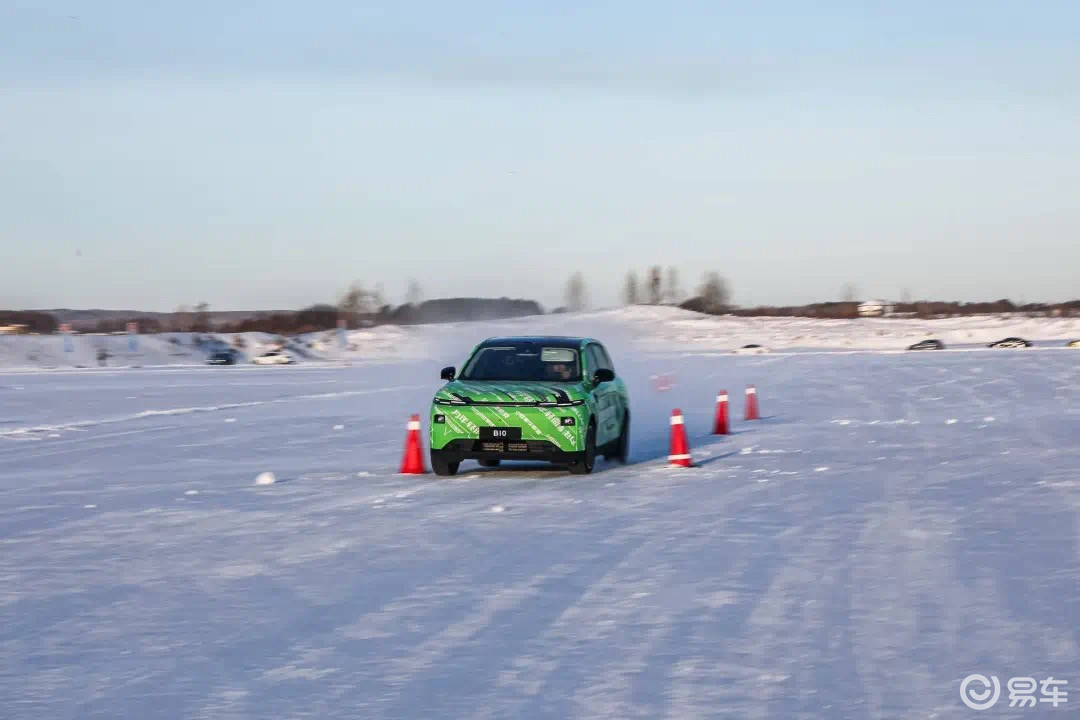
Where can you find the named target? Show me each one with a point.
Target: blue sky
(270, 154)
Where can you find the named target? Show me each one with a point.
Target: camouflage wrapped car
(555, 399)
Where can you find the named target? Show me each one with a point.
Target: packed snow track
(893, 524)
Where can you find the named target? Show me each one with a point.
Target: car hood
(465, 392)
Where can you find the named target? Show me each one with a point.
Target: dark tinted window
(594, 360)
(525, 361)
(605, 360)
(598, 358)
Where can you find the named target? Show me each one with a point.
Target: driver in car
(559, 371)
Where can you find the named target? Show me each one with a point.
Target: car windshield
(525, 361)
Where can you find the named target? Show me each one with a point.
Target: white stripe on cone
(721, 398)
(414, 425)
(678, 457)
(751, 391)
(676, 420)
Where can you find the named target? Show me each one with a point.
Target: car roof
(550, 340)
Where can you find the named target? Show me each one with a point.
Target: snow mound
(265, 478)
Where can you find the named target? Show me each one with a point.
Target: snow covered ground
(644, 328)
(894, 523)
(55, 352)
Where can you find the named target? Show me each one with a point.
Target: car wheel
(584, 466)
(619, 448)
(444, 467)
(489, 462)
(622, 451)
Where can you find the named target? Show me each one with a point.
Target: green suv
(555, 399)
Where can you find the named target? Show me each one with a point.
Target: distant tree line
(35, 322)
(922, 309)
(934, 308)
(147, 325)
(192, 319)
(830, 310)
(457, 310)
(310, 319)
(362, 307)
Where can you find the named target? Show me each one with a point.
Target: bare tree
(655, 296)
(357, 302)
(672, 291)
(714, 293)
(201, 321)
(413, 294)
(631, 293)
(577, 296)
(182, 319)
(849, 292)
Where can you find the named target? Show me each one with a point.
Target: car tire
(622, 445)
(619, 448)
(444, 467)
(584, 466)
(489, 462)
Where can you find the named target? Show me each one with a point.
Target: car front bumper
(460, 427)
(538, 450)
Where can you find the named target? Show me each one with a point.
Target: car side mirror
(448, 373)
(603, 375)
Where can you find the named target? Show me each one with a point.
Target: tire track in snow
(417, 677)
(83, 424)
(623, 628)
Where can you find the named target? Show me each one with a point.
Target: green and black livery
(554, 399)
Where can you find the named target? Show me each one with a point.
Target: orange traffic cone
(680, 448)
(412, 463)
(751, 403)
(720, 427)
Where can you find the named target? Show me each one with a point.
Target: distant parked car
(1074, 344)
(1011, 342)
(928, 344)
(224, 357)
(751, 349)
(274, 357)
